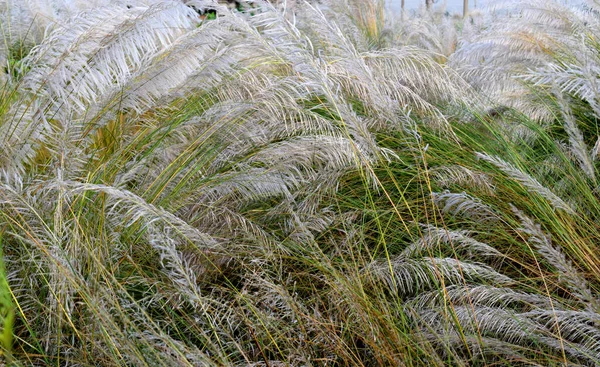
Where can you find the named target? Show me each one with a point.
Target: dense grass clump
(298, 185)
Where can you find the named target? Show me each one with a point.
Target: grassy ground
(314, 186)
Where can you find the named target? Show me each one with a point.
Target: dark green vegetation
(320, 188)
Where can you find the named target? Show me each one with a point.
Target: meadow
(298, 185)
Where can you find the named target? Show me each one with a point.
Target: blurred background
(453, 6)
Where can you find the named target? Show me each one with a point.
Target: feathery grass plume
(560, 167)
(367, 16)
(485, 321)
(538, 32)
(411, 276)
(431, 30)
(506, 327)
(467, 350)
(595, 153)
(98, 50)
(569, 275)
(527, 181)
(578, 146)
(32, 18)
(73, 67)
(481, 295)
(21, 136)
(574, 73)
(572, 79)
(198, 58)
(136, 208)
(447, 176)
(465, 205)
(417, 70)
(405, 77)
(579, 328)
(433, 238)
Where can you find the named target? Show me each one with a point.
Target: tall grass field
(325, 183)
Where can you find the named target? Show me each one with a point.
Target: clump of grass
(269, 191)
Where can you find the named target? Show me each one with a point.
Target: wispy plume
(527, 181)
